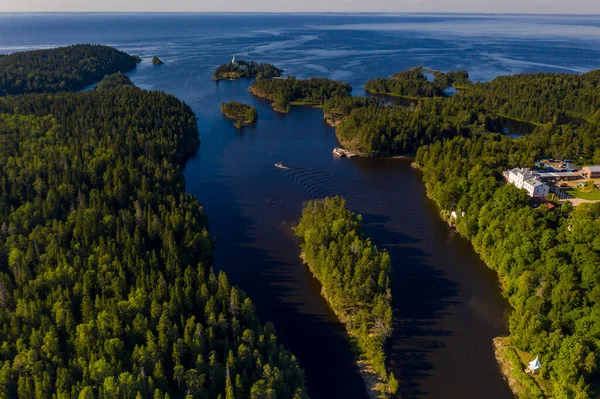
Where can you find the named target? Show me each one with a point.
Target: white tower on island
(233, 59)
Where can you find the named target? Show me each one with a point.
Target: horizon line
(303, 12)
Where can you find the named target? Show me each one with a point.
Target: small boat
(340, 152)
(280, 166)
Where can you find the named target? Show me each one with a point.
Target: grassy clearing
(587, 195)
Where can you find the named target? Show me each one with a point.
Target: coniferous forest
(290, 91)
(62, 69)
(106, 284)
(355, 276)
(242, 114)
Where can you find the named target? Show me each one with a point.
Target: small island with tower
(240, 69)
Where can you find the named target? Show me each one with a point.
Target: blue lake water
(447, 303)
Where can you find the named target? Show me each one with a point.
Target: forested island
(414, 84)
(242, 114)
(242, 69)
(546, 257)
(284, 93)
(106, 281)
(355, 278)
(62, 69)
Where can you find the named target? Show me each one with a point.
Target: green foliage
(342, 106)
(413, 74)
(540, 97)
(242, 114)
(106, 287)
(548, 261)
(413, 83)
(379, 129)
(61, 69)
(531, 390)
(452, 78)
(113, 81)
(404, 87)
(566, 103)
(314, 91)
(355, 275)
(244, 69)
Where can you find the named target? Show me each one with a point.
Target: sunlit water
(447, 304)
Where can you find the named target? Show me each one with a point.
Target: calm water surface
(447, 303)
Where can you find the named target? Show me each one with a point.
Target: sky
(462, 6)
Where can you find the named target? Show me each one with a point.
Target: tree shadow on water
(284, 292)
(421, 298)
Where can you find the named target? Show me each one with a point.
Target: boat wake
(358, 194)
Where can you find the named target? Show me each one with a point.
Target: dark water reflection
(447, 303)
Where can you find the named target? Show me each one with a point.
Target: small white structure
(536, 188)
(534, 366)
(529, 180)
(455, 215)
(233, 59)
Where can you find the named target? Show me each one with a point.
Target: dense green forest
(414, 84)
(113, 81)
(62, 69)
(243, 69)
(342, 106)
(541, 97)
(291, 91)
(106, 285)
(548, 260)
(372, 128)
(564, 107)
(354, 274)
(404, 87)
(452, 79)
(242, 114)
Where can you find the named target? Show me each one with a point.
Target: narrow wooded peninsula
(355, 278)
(241, 114)
(106, 281)
(239, 69)
(284, 93)
(543, 248)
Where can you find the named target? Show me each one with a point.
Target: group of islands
(106, 284)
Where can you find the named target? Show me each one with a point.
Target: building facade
(528, 180)
(535, 188)
(517, 176)
(591, 172)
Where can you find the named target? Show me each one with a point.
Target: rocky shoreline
(276, 107)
